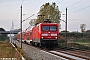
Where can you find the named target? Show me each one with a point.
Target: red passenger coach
(26, 36)
(18, 36)
(23, 37)
(29, 36)
(45, 34)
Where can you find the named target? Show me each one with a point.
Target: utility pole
(66, 27)
(12, 31)
(21, 27)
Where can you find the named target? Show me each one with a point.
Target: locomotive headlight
(42, 37)
(56, 37)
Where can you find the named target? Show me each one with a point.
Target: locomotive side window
(45, 28)
(52, 28)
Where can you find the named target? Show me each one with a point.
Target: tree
(48, 11)
(32, 22)
(1, 29)
(83, 27)
(3, 36)
(88, 31)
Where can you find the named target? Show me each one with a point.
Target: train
(43, 34)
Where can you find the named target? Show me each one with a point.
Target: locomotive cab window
(45, 28)
(52, 28)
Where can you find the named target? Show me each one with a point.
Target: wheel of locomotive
(30, 42)
(24, 41)
(33, 43)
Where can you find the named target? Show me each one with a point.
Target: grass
(79, 43)
(8, 51)
(82, 41)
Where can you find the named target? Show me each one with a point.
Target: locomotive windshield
(49, 28)
(45, 28)
(52, 28)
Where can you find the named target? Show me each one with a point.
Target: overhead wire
(17, 14)
(18, 10)
(28, 17)
(60, 1)
(73, 4)
(57, 3)
(80, 4)
(76, 6)
(80, 10)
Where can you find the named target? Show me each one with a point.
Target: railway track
(69, 54)
(72, 54)
(65, 53)
(80, 52)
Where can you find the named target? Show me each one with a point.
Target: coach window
(45, 28)
(52, 28)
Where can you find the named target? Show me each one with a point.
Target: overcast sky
(78, 12)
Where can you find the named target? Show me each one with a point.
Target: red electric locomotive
(45, 34)
(42, 34)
